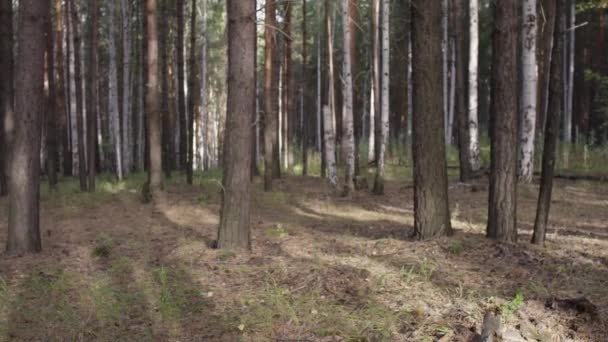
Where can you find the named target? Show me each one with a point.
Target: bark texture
(348, 134)
(270, 96)
(473, 91)
(384, 99)
(82, 167)
(152, 105)
(92, 95)
(6, 89)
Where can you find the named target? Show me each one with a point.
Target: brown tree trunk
(234, 231)
(192, 95)
(544, 69)
(24, 168)
(165, 93)
(51, 107)
(431, 209)
(270, 96)
(305, 94)
(399, 67)
(357, 78)
(154, 116)
(82, 173)
(556, 92)
(502, 211)
(6, 88)
(68, 141)
(181, 96)
(287, 94)
(92, 95)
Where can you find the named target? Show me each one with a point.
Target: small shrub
(103, 246)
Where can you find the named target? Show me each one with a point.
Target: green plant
(507, 309)
(103, 246)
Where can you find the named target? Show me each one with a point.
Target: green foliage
(103, 246)
(509, 308)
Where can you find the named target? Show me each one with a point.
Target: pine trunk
(152, 108)
(92, 95)
(304, 92)
(82, 173)
(6, 88)
(181, 95)
(502, 211)
(330, 147)
(270, 96)
(51, 107)
(431, 209)
(127, 144)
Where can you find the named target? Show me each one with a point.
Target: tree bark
(165, 93)
(234, 231)
(375, 88)
(287, 93)
(528, 92)
(502, 220)
(330, 147)
(24, 168)
(548, 7)
(556, 93)
(431, 209)
(353, 10)
(51, 107)
(92, 95)
(192, 95)
(82, 167)
(127, 116)
(270, 96)
(348, 140)
(384, 99)
(62, 109)
(304, 91)
(6, 90)
(152, 108)
(114, 115)
(181, 96)
(473, 105)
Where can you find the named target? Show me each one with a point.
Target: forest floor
(323, 268)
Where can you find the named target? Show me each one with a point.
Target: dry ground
(323, 268)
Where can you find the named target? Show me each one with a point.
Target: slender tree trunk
(270, 96)
(181, 96)
(234, 231)
(82, 173)
(152, 108)
(305, 94)
(431, 209)
(473, 91)
(375, 89)
(141, 141)
(445, 61)
(113, 110)
(204, 112)
(348, 136)
(6, 90)
(552, 129)
(24, 168)
(192, 94)
(287, 94)
(548, 7)
(51, 107)
(60, 87)
(570, 35)
(127, 144)
(502, 220)
(384, 108)
(353, 10)
(330, 147)
(529, 91)
(319, 122)
(165, 93)
(92, 94)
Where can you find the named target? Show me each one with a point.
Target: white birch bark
(529, 91)
(113, 95)
(473, 84)
(384, 101)
(330, 147)
(375, 87)
(126, 86)
(348, 136)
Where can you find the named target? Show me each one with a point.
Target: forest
(304, 170)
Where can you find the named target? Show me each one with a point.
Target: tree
(384, 99)
(375, 80)
(6, 87)
(92, 95)
(330, 147)
(473, 105)
(234, 231)
(24, 168)
(431, 209)
(528, 91)
(287, 89)
(127, 135)
(348, 134)
(62, 111)
(503, 169)
(82, 167)
(113, 110)
(556, 93)
(51, 106)
(270, 96)
(181, 96)
(544, 68)
(192, 94)
(304, 92)
(152, 108)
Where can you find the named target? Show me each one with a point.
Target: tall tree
(556, 93)
(502, 211)
(82, 167)
(304, 92)
(544, 69)
(6, 87)
(113, 111)
(24, 135)
(181, 95)
(270, 95)
(152, 106)
(330, 147)
(431, 209)
(357, 79)
(287, 89)
(51, 106)
(384, 99)
(127, 116)
(92, 94)
(374, 111)
(62, 109)
(234, 231)
(528, 91)
(192, 94)
(473, 91)
(348, 133)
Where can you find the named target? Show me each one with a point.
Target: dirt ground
(323, 268)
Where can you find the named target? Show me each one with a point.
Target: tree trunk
(287, 94)
(473, 104)
(357, 80)
(528, 92)
(503, 178)
(113, 110)
(570, 35)
(92, 95)
(462, 114)
(165, 93)
(61, 95)
(82, 173)
(152, 108)
(127, 144)
(330, 147)
(445, 12)
(548, 7)
(141, 141)
(384, 100)
(24, 167)
(431, 209)
(348, 136)
(270, 96)
(375, 88)
(205, 157)
(181, 96)
(304, 91)
(51, 107)
(234, 231)
(331, 78)
(6, 89)
(552, 129)
(192, 95)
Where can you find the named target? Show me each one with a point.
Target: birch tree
(113, 111)
(348, 136)
(330, 147)
(528, 91)
(384, 99)
(473, 121)
(127, 143)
